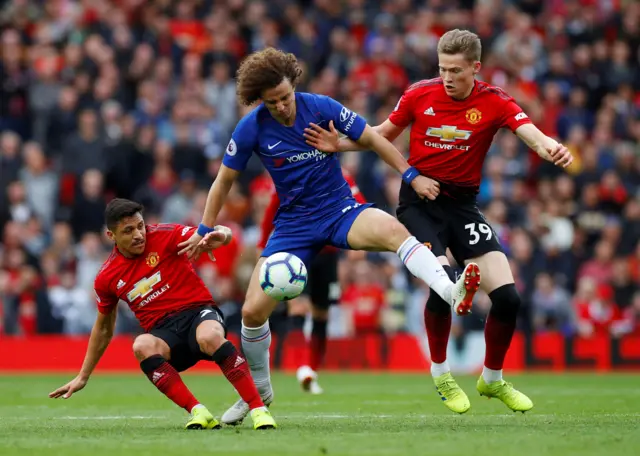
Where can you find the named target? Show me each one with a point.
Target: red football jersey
(155, 284)
(266, 227)
(450, 138)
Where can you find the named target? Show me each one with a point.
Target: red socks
(317, 344)
(164, 376)
(438, 325)
(234, 366)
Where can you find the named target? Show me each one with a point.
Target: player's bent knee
(505, 302)
(254, 316)
(210, 338)
(392, 234)
(257, 307)
(147, 345)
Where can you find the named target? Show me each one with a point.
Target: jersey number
(475, 236)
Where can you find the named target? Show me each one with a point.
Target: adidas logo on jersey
(156, 376)
(121, 284)
(430, 112)
(239, 360)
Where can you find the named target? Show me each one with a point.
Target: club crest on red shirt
(152, 259)
(473, 116)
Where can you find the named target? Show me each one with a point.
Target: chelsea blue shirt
(307, 180)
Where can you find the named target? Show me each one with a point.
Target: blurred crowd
(135, 98)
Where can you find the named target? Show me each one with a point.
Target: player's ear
(110, 235)
(476, 67)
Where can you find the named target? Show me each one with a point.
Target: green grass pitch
(359, 414)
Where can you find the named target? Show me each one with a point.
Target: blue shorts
(306, 236)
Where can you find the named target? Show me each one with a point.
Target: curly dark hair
(265, 70)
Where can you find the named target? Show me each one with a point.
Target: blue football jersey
(307, 180)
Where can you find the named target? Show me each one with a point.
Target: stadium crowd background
(136, 98)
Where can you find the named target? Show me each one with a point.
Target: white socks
(438, 369)
(423, 264)
(255, 345)
(491, 375)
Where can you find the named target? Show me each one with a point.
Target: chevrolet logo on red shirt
(448, 133)
(143, 287)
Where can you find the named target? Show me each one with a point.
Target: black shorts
(322, 284)
(451, 223)
(179, 332)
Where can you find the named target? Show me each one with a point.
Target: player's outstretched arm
(330, 141)
(546, 147)
(215, 200)
(101, 335)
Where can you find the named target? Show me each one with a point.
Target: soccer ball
(283, 276)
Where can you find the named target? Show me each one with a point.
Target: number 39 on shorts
(477, 229)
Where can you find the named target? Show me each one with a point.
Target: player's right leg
(375, 230)
(256, 340)
(154, 354)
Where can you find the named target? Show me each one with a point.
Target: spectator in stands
(137, 99)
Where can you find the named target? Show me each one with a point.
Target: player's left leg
(256, 340)
(375, 230)
(317, 347)
(208, 334)
(258, 307)
(473, 240)
(498, 283)
(297, 310)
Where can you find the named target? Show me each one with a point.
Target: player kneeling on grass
(182, 323)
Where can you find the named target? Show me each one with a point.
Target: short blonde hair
(461, 42)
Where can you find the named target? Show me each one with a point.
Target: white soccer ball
(283, 276)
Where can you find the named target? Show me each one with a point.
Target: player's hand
(67, 390)
(426, 187)
(560, 155)
(210, 242)
(321, 139)
(190, 246)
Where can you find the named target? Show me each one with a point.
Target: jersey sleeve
(346, 121)
(402, 114)
(513, 116)
(179, 233)
(266, 227)
(244, 141)
(105, 299)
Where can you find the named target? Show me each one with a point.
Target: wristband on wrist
(204, 230)
(410, 174)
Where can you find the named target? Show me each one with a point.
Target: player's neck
(467, 93)
(124, 253)
(291, 121)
